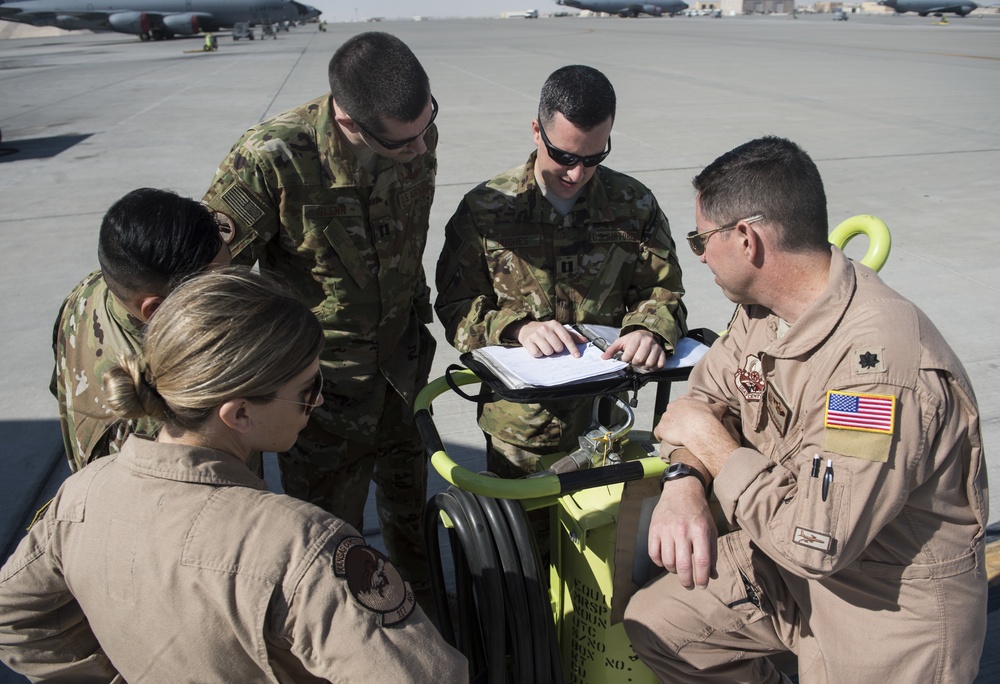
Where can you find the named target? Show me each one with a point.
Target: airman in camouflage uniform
(149, 239)
(342, 214)
(91, 331)
(557, 241)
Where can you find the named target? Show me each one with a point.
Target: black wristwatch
(678, 470)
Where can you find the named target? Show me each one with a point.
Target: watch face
(677, 470)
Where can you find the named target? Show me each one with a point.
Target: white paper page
(558, 369)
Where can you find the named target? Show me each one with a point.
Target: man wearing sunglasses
(149, 241)
(840, 435)
(335, 196)
(560, 239)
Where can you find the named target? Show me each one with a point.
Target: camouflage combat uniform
(350, 242)
(91, 332)
(510, 256)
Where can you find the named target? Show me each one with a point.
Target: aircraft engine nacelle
(652, 10)
(71, 23)
(184, 24)
(129, 22)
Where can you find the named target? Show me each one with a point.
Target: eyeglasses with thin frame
(564, 158)
(399, 144)
(698, 241)
(314, 392)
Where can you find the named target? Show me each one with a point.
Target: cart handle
(545, 487)
(874, 228)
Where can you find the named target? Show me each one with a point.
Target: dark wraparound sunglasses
(564, 158)
(399, 144)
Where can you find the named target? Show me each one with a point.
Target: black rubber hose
(505, 628)
(548, 666)
(518, 625)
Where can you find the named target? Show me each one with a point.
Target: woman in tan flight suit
(171, 561)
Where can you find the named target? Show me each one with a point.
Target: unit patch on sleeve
(859, 425)
(850, 411)
(373, 581)
(243, 205)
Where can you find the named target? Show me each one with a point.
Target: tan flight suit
(169, 563)
(885, 579)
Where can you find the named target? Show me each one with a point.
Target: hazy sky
(347, 10)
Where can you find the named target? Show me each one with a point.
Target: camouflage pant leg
(400, 497)
(334, 473)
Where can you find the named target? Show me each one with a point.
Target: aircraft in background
(624, 8)
(154, 19)
(925, 7)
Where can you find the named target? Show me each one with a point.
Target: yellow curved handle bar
(879, 239)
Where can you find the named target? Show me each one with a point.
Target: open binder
(509, 373)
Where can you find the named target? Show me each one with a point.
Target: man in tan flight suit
(840, 434)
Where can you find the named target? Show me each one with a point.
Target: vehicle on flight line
(624, 8)
(154, 19)
(935, 7)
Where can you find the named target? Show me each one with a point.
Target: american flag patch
(868, 412)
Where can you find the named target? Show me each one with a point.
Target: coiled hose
(505, 624)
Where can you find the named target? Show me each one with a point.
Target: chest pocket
(337, 235)
(516, 268)
(608, 284)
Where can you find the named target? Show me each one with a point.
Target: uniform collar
(183, 463)
(822, 317)
(592, 206)
(131, 326)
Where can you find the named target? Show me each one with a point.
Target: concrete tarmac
(900, 114)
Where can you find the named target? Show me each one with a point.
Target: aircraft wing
(25, 13)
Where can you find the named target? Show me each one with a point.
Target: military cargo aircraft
(154, 19)
(935, 7)
(624, 8)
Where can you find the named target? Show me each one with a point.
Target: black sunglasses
(313, 398)
(564, 158)
(399, 144)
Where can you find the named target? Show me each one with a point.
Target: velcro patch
(866, 412)
(373, 581)
(871, 446)
(615, 236)
(324, 211)
(422, 192)
(244, 207)
(869, 360)
(812, 539)
(513, 242)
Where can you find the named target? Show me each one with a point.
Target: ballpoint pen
(816, 462)
(827, 478)
(595, 339)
